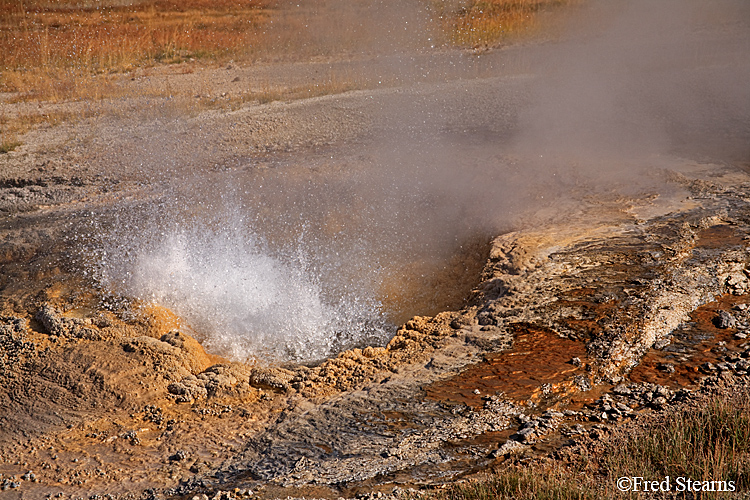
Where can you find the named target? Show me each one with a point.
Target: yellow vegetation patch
(48, 49)
(478, 23)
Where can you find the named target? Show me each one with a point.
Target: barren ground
(614, 294)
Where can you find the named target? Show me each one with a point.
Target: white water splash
(247, 302)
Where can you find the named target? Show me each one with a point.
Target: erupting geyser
(248, 301)
(242, 298)
(385, 182)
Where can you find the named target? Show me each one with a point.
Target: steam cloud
(642, 78)
(452, 158)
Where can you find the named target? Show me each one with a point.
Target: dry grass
(62, 50)
(8, 145)
(519, 484)
(13, 128)
(709, 441)
(54, 50)
(78, 50)
(483, 23)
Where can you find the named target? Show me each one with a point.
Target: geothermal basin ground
(494, 261)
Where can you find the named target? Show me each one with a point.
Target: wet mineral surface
(590, 309)
(620, 310)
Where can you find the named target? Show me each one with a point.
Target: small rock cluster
(12, 343)
(739, 318)
(153, 414)
(12, 482)
(218, 379)
(229, 380)
(626, 399)
(235, 494)
(58, 325)
(530, 431)
(732, 363)
(346, 371)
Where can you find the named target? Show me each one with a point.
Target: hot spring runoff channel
(281, 262)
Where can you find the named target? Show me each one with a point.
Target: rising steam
(300, 266)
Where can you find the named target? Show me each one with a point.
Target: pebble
(661, 344)
(622, 389)
(666, 367)
(724, 320)
(708, 367)
(508, 448)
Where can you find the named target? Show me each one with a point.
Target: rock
(582, 383)
(526, 435)
(666, 367)
(661, 344)
(216, 381)
(658, 402)
(57, 324)
(274, 379)
(132, 437)
(510, 447)
(552, 414)
(174, 338)
(188, 389)
(622, 389)
(144, 344)
(625, 409)
(724, 320)
(708, 367)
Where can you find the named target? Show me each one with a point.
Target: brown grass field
(55, 50)
(76, 50)
(58, 50)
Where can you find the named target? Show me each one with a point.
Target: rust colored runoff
(539, 364)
